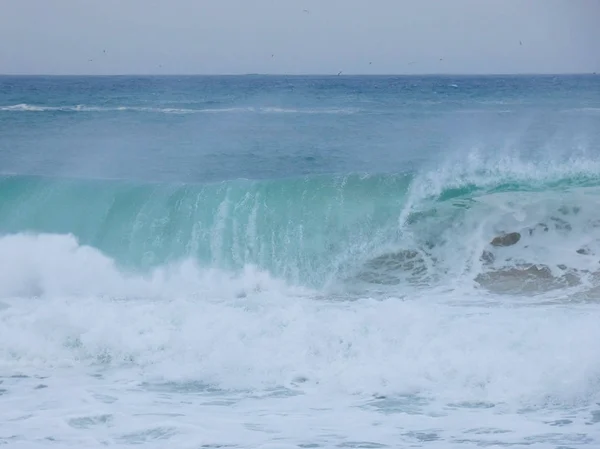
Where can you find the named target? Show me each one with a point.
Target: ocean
(300, 261)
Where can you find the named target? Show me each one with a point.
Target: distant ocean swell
(366, 232)
(261, 110)
(176, 110)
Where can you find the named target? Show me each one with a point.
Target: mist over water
(299, 262)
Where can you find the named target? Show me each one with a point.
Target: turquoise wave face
(296, 228)
(309, 230)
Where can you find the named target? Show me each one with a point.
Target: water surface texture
(300, 262)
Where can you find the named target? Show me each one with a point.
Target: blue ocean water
(273, 261)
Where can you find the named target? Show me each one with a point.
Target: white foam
(253, 324)
(249, 335)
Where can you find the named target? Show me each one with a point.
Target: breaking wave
(357, 233)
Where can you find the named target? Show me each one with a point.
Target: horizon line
(333, 75)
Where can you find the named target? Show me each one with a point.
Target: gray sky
(239, 36)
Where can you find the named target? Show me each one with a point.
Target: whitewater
(300, 262)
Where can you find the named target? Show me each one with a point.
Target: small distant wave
(307, 111)
(23, 107)
(27, 108)
(481, 111)
(580, 110)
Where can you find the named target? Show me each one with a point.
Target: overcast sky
(299, 36)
